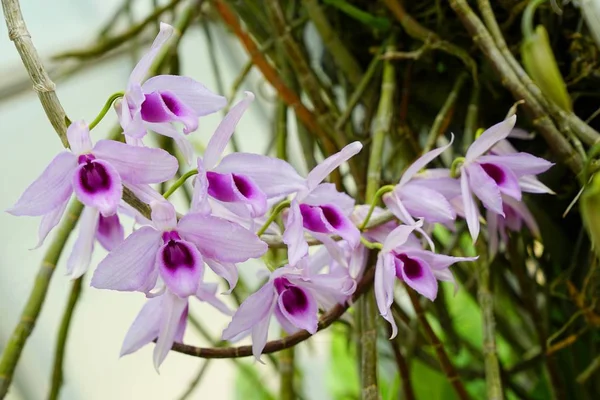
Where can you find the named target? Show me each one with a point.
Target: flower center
(313, 221)
(176, 254)
(93, 175)
(294, 299)
(412, 268)
(494, 172)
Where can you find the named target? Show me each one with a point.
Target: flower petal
(490, 137)
(426, 203)
(81, 255)
(505, 179)
(523, 212)
(166, 129)
(275, 177)
(180, 266)
(219, 239)
(470, 208)
(200, 202)
(145, 327)
(326, 193)
(164, 217)
(78, 135)
(519, 163)
(207, 293)
(165, 106)
(436, 262)
(422, 161)
(293, 236)
(492, 228)
(137, 164)
(49, 221)
(172, 309)
(328, 218)
(130, 265)
(299, 307)
(192, 93)
(399, 236)
(50, 190)
(255, 308)
(110, 232)
(531, 184)
(97, 184)
(384, 288)
(219, 140)
(485, 188)
(418, 275)
(321, 171)
(238, 189)
(225, 270)
(141, 69)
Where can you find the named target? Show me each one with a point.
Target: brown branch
(283, 343)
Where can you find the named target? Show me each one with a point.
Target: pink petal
(141, 69)
(326, 193)
(49, 221)
(130, 266)
(137, 164)
(180, 266)
(293, 236)
(383, 287)
(531, 184)
(207, 292)
(492, 228)
(321, 171)
(192, 93)
(97, 184)
(446, 186)
(418, 275)
(225, 270)
(237, 189)
(470, 208)
(200, 195)
(145, 327)
(223, 133)
(219, 239)
(422, 161)
(394, 204)
(273, 176)
(505, 179)
(110, 232)
(299, 307)
(172, 309)
(490, 137)
(426, 203)
(260, 334)
(81, 255)
(164, 217)
(436, 262)
(165, 106)
(485, 188)
(399, 236)
(523, 212)
(256, 307)
(519, 163)
(50, 190)
(78, 135)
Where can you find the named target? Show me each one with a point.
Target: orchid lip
(177, 255)
(313, 222)
(412, 268)
(494, 172)
(170, 236)
(294, 299)
(220, 187)
(93, 176)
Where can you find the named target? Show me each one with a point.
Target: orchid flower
(290, 295)
(176, 251)
(234, 190)
(157, 103)
(163, 318)
(489, 176)
(96, 174)
(420, 198)
(419, 269)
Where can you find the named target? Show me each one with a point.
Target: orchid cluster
(165, 258)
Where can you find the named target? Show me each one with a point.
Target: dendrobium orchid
(96, 175)
(231, 188)
(163, 318)
(291, 296)
(176, 251)
(489, 176)
(419, 269)
(159, 102)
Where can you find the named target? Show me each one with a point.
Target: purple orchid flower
(157, 103)
(96, 174)
(317, 207)
(289, 294)
(234, 190)
(421, 198)
(164, 319)
(176, 251)
(489, 176)
(110, 232)
(419, 269)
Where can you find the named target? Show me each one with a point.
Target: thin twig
(29, 316)
(61, 341)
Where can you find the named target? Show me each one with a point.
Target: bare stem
(61, 342)
(14, 347)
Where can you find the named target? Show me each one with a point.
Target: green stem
(61, 342)
(196, 381)
(527, 19)
(105, 109)
(179, 182)
(286, 369)
(370, 245)
(455, 167)
(280, 207)
(382, 190)
(29, 316)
